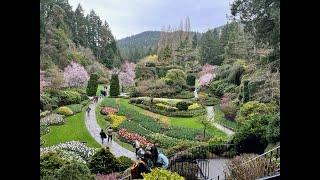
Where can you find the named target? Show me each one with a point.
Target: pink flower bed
(131, 137)
(108, 110)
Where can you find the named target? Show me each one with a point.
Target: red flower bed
(108, 110)
(131, 137)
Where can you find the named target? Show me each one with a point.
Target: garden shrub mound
(169, 107)
(124, 163)
(52, 119)
(98, 161)
(64, 110)
(158, 173)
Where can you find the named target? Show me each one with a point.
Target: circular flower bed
(108, 110)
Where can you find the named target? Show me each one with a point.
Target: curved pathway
(210, 114)
(94, 129)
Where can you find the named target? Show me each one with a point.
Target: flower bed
(131, 137)
(116, 120)
(52, 119)
(66, 155)
(75, 146)
(108, 110)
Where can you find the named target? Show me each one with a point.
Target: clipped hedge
(64, 110)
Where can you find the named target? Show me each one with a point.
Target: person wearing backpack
(141, 166)
(102, 135)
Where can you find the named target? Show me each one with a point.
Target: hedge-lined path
(210, 114)
(94, 129)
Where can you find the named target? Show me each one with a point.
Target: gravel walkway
(210, 114)
(94, 129)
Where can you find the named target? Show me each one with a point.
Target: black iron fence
(193, 163)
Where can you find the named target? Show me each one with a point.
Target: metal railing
(272, 156)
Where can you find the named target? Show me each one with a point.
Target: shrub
(111, 176)
(191, 80)
(46, 102)
(253, 108)
(92, 85)
(273, 129)
(154, 88)
(74, 170)
(114, 86)
(166, 107)
(66, 97)
(52, 119)
(108, 110)
(124, 162)
(158, 173)
(64, 110)
(103, 162)
(217, 140)
(150, 64)
(180, 146)
(238, 169)
(44, 129)
(251, 136)
(49, 164)
(177, 76)
(182, 106)
(44, 113)
(116, 120)
(76, 108)
(194, 106)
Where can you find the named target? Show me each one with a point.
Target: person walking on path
(110, 131)
(102, 135)
(88, 110)
(136, 146)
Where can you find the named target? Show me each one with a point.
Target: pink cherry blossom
(127, 74)
(75, 75)
(207, 74)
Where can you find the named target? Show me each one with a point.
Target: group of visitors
(148, 158)
(104, 136)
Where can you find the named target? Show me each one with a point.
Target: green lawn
(73, 130)
(195, 124)
(100, 87)
(191, 122)
(100, 118)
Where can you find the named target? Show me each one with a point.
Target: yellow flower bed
(116, 120)
(194, 106)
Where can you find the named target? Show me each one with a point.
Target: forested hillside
(137, 46)
(67, 35)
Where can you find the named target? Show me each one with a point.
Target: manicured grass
(123, 144)
(177, 121)
(219, 118)
(100, 118)
(73, 130)
(194, 124)
(100, 87)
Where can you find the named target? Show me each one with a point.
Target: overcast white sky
(129, 17)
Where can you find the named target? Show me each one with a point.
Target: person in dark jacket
(141, 166)
(102, 135)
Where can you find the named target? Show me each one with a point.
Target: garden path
(94, 129)
(210, 115)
